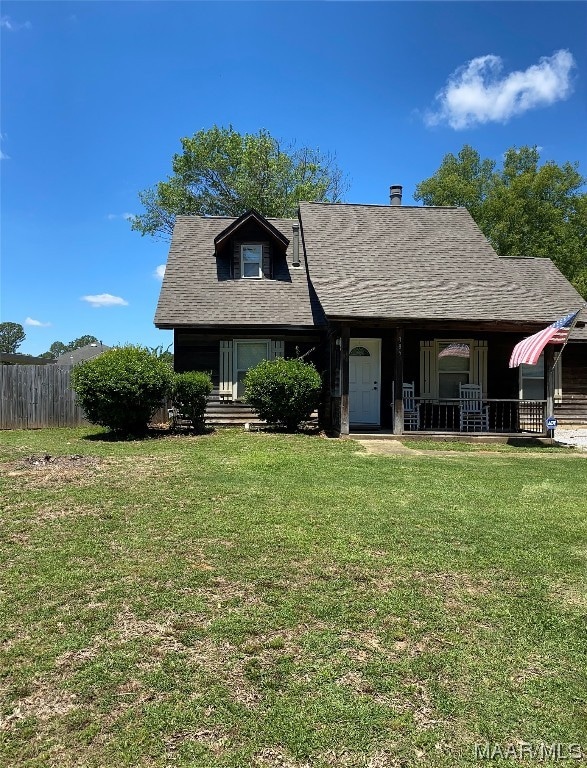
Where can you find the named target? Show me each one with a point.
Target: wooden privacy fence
(37, 396)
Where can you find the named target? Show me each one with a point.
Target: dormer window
(252, 260)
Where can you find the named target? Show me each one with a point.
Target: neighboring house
(82, 354)
(371, 294)
(15, 358)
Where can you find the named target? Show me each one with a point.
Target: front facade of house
(372, 295)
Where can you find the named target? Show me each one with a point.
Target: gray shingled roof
(403, 262)
(88, 352)
(364, 261)
(580, 334)
(192, 293)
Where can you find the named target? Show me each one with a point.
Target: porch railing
(505, 416)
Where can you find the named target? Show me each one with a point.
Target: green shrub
(283, 392)
(190, 395)
(122, 388)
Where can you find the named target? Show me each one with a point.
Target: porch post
(344, 380)
(398, 381)
(550, 384)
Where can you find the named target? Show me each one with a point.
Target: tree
(163, 354)
(523, 208)
(11, 337)
(222, 172)
(83, 341)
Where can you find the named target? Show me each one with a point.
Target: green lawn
(247, 599)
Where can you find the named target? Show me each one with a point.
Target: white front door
(364, 381)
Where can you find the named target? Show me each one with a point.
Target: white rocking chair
(474, 416)
(411, 408)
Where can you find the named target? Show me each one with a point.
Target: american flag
(529, 350)
(455, 350)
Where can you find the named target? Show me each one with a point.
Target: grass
(242, 600)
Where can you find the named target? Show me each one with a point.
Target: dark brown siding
(574, 380)
(198, 351)
(193, 352)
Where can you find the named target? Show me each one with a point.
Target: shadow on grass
(531, 442)
(152, 433)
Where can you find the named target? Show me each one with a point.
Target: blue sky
(96, 95)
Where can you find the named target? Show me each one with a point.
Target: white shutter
(558, 381)
(225, 384)
(479, 365)
(428, 375)
(277, 349)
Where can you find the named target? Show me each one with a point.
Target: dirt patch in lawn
(45, 470)
(45, 703)
(214, 738)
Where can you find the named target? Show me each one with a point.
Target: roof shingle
(405, 262)
(192, 293)
(364, 261)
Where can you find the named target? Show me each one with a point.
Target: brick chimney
(395, 195)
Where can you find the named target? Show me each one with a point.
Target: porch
(370, 368)
(504, 416)
(510, 417)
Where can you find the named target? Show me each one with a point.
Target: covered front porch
(406, 379)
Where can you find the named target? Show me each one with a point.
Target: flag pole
(550, 373)
(573, 324)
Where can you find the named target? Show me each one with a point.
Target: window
(252, 260)
(532, 380)
(446, 363)
(453, 368)
(247, 355)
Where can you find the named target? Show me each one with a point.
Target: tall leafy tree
(524, 208)
(11, 337)
(222, 172)
(83, 341)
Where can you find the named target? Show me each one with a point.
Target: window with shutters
(247, 354)
(446, 363)
(454, 368)
(237, 356)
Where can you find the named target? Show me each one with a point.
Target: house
(16, 358)
(87, 352)
(372, 294)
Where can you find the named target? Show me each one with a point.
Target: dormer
(252, 246)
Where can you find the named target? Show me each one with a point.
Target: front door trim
(374, 346)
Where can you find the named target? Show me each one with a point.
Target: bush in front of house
(122, 388)
(190, 394)
(283, 392)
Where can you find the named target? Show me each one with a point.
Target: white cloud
(159, 272)
(476, 93)
(3, 156)
(126, 216)
(36, 323)
(105, 300)
(13, 26)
